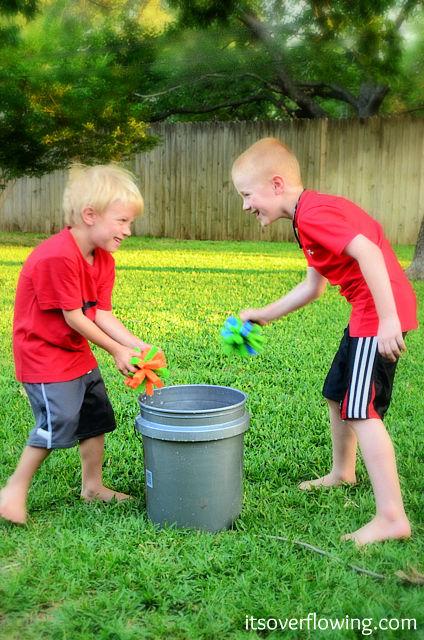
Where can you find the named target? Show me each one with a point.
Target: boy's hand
(122, 356)
(142, 345)
(390, 340)
(254, 315)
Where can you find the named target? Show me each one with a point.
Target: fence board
(186, 180)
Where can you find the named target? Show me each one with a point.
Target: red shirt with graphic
(57, 277)
(326, 224)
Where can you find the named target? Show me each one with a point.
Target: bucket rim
(151, 407)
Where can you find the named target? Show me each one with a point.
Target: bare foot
(379, 529)
(330, 480)
(13, 505)
(103, 493)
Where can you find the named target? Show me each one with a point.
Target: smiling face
(260, 197)
(267, 176)
(109, 228)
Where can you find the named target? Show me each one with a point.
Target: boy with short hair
(345, 246)
(63, 300)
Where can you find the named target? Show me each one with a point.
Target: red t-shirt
(326, 224)
(56, 277)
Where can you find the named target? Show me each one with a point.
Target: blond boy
(346, 247)
(63, 301)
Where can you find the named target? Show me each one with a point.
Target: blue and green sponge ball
(243, 338)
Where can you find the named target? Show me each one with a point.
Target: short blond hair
(98, 186)
(268, 157)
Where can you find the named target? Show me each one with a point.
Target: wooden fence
(187, 186)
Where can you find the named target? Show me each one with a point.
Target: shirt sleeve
(105, 285)
(327, 227)
(56, 284)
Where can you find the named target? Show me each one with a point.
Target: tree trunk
(370, 98)
(259, 30)
(416, 269)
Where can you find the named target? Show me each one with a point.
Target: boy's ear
(278, 185)
(88, 215)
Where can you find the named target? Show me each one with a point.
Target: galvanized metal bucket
(193, 455)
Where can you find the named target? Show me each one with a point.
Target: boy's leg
(14, 495)
(344, 453)
(378, 453)
(91, 451)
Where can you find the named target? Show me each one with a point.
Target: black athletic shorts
(360, 379)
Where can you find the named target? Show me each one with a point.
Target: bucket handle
(137, 434)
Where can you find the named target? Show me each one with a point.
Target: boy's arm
(310, 289)
(116, 330)
(373, 268)
(122, 354)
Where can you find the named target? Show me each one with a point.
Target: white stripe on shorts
(41, 432)
(363, 365)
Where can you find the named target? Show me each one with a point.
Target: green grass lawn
(104, 572)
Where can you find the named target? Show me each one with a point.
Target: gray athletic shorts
(67, 412)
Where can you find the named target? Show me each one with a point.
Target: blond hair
(268, 157)
(98, 186)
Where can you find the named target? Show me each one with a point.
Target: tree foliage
(79, 79)
(64, 87)
(286, 59)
